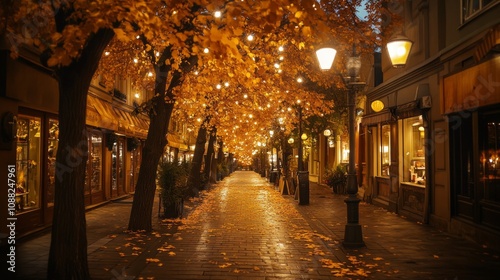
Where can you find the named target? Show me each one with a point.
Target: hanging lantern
(399, 49)
(325, 57)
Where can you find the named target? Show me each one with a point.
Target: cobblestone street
(243, 228)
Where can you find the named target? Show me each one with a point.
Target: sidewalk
(244, 229)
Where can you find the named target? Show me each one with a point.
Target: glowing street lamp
(353, 236)
(399, 49)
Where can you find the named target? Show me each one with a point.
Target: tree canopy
(250, 56)
(259, 47)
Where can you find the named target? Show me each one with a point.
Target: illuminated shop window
(28, 150)
(385, 149)
(489, 173)
(413, 137)
(93, 179)
(53, 144)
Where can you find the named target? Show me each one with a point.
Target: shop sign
(377, 105)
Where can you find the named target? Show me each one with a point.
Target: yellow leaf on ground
(171, 253)
(225, 265)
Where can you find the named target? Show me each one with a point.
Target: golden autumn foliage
(236, 42)
(244, 85)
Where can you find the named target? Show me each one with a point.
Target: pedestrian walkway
(244, 229)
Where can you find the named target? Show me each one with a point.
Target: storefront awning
(124, 124)
(131, 125)
(376, 118)
(175, 142)
(102, 114)
(490, 41)
(141, 126)
(99, 115)
(407, 110)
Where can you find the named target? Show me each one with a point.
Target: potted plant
(172, 181)
(222, 171)
(337, 178)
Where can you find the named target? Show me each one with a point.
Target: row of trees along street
(254, 51)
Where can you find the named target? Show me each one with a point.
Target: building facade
(29, 112)
(429, 140)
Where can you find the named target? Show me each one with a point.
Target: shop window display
(95, 161)
(413, 134)
(51, 159)
(385, 149)
(489, 160)
(28, 149)
(93, 181)
(117, 167)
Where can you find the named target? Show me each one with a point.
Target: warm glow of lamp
(399, 49)
(327, 132)
(303, 136)
(377, 105)
(325, 57)
(290, 141)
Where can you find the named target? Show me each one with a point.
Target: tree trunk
(68, 246)
(194, 180)
(163, 104)
(210, 159)
(220, 161)
(231, 162)
(142, 207)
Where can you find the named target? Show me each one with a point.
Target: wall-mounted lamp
(399, 48)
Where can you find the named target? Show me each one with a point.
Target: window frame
(464, 5)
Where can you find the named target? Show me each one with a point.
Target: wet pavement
(243, 228)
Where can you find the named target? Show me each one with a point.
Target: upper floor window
(472, 7)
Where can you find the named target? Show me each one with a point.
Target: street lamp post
(262, 161)
(398, 52)
(353, 236)
(272, 174)
(271, 133)
(302, 175)
(300, 163)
